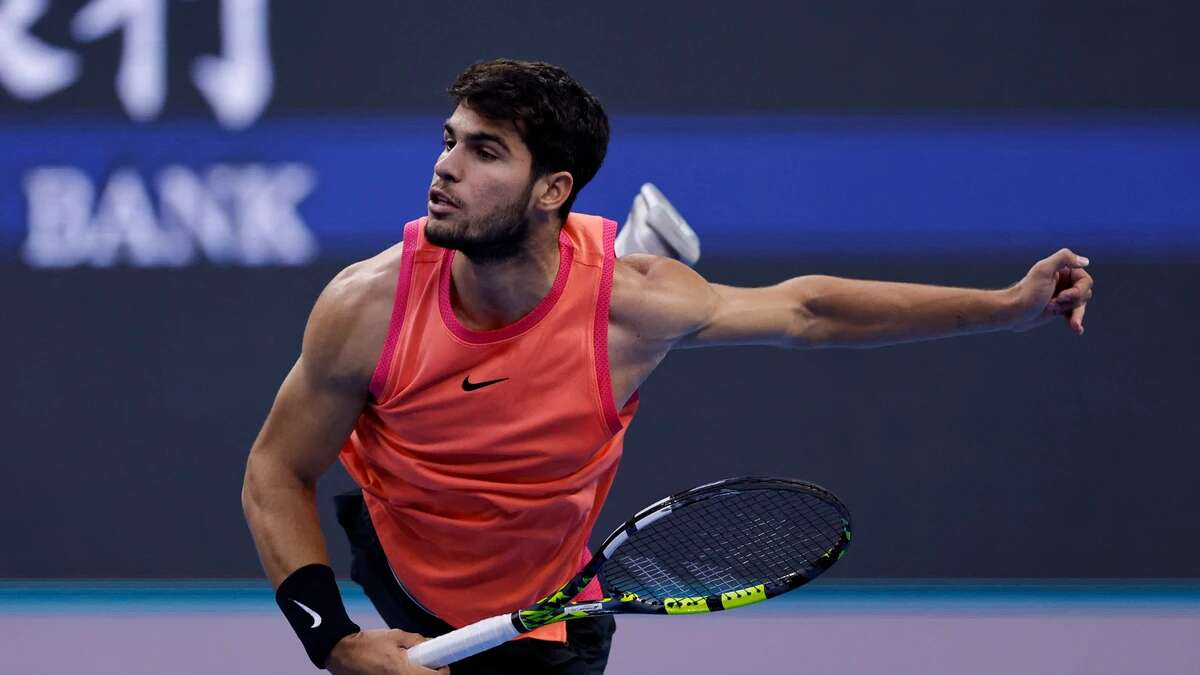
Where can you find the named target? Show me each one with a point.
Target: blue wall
(861, 185)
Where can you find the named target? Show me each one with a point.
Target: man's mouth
(441, 203)
(440, 198)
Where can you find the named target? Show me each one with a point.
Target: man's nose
(448, 166)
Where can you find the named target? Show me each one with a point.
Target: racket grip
(466, 641)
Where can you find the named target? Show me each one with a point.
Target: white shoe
(655, 227)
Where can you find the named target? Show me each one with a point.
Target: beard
(490, 237)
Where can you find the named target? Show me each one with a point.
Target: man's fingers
(1062, 278)
(1065, 257)
(410, 640)
(1070, 287)
(407, 640)
(1080, 290)
(1072, 296)
(1075, 320)
(1081, 279)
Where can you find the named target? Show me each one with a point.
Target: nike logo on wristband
(316, 617)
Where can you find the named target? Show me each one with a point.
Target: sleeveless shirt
(485, 456)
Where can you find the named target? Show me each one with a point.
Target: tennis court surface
(926, 628)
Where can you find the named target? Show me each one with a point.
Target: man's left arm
(822, 311)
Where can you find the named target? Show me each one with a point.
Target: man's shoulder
(367, 280)
(658, 298)
(350, 319)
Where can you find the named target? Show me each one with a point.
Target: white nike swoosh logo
(316, 617)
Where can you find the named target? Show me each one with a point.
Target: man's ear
(553, 190)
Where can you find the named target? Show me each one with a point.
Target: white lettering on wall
(29, 68)
(263, 203)
(60, 207)
(228, 214)
(237, 83)
(188, 205)
(141, 75)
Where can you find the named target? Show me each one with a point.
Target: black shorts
(588, 640)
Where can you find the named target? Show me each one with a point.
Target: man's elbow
(261, 480)
(812, 333)
(807, 327)
(268, 481)
(251, 490)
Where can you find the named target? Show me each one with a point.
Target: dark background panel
(133, 397)
(683, 57)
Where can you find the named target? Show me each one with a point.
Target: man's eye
(486, 156)
(447, 143)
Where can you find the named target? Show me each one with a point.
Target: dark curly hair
(563, 125)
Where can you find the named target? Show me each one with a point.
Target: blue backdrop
(864, 184)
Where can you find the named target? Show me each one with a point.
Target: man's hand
(1055, 286)
(377, 652)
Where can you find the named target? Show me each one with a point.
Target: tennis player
(477, 378)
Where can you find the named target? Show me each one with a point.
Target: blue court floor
(865, 627)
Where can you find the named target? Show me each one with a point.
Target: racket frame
(558, 606)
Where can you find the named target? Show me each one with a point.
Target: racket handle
(466, 641)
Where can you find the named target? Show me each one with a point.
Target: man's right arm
(313, 414)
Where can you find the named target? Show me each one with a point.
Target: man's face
(479, 199)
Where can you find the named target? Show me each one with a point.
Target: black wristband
(310, 600)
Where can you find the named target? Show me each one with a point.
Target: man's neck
(487, 295)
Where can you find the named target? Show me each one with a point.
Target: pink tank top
(486, 456)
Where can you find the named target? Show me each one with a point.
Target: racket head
(725, 544)
(717, 546)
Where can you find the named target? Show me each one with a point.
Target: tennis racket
(718, 546)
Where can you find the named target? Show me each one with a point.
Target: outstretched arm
(822, 311)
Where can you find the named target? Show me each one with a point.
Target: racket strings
(727, 541)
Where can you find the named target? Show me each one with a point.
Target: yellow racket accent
(746, 596)
(558, 598)
(697, 605)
